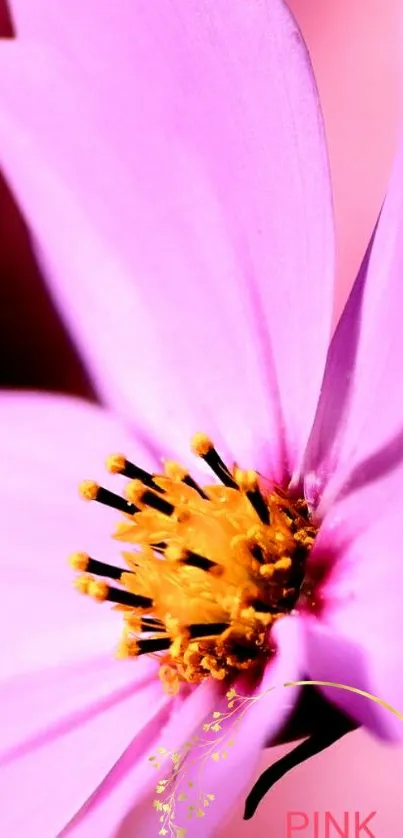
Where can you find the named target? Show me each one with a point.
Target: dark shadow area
(7, 28)
(36, 351)
(310, 715)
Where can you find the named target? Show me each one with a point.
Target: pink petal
(110, 808)
(358, 435)
(68, 709)
(47, 446)
(171, 161)
(355, 639)
(57, 770)
(133, 776)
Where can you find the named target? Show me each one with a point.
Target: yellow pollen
(115, 463)
(79, 561)
(174, 471)
(174, 553)
(284, 563)
(170, 678)
(134, 491)
(98, 590)
(267, 571)
(201, 445)
(81, 583)
(256, 534)
(209, 569)
(247, 480)
(127, 648)
(132, 621)
(88, 489)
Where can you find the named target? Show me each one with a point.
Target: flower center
(209, 571)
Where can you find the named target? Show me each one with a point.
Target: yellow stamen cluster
(209, 569)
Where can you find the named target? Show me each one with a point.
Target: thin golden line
(247, 702)
(365, 694)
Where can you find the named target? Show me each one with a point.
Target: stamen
(159, 547)
(196, 560)
(103, 592)
(206, 629)
(176, 472)
(209, 570)
(91, 491)
(188, 479)
(149, 498)
(118, 464)
(285, 563)
(82, 583)
(258, 502)
(150, 624)
(264, 607)
(257, 553)
(248, 481)
(244, 652)
(204, 448)
(152, 644)
(267, 571)
(176, 553)
(157, 503)
(84, 563)
(137, 623)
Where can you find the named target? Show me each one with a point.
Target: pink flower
(170, 159)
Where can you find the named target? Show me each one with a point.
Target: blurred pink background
(354, 47)
(355, 51)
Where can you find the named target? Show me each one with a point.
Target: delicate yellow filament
(209, 569)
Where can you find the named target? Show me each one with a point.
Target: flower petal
(68, 709)
(56, 770)
(355, 638)
(47, 445)
(172, 165)
(358, 435)
(127, 781)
